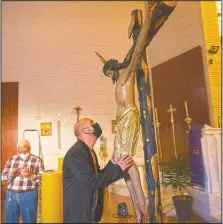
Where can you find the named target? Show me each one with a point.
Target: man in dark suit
(83, 181)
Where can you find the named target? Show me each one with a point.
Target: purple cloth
(196, 159)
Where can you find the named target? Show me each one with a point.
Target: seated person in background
(22, 174)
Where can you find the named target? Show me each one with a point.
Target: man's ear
(85, 131)
(89, 130)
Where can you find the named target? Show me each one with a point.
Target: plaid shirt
(33, 163)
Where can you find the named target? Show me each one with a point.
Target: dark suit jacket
(80, 183)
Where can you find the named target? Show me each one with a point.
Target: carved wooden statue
(124, 75)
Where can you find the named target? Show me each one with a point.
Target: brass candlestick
(157, 125)
(171, 111)
(160, 155)
(187, 119)
(219, 122)
(103, 154)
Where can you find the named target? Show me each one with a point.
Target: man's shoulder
(76, 149)
(13, 157)
(71, 149)
(78, 146)
(37, 158)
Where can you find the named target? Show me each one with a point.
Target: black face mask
(97, 130)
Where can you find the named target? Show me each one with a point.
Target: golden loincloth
(127, 132)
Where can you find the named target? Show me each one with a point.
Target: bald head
(81, 125)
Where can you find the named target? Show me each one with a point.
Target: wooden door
(175, 81)
(9, 120)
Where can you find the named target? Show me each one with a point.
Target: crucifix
(171, 111)
(78, 110)
(135, 64)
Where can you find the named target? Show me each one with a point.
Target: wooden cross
(78, 110)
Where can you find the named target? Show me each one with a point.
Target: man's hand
(27, 173)
(15, 172)
(125, 162)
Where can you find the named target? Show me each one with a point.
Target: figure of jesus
(127, 129)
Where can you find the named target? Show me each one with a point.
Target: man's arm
(81, 169)
(141, 41)
(5, 174)
(108, 166)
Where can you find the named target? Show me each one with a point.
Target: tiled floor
(111, 202)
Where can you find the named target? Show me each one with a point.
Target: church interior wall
(48, 47)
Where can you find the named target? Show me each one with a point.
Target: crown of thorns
(111, 64)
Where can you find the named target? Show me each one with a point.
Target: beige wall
(48, 47)
(181, 32)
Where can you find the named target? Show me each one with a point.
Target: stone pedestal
(207, 201)
(206, 205)
(211, 150)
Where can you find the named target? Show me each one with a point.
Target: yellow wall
(212, 38)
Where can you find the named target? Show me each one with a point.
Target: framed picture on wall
(46, 129)
(114, 122)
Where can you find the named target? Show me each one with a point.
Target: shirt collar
(27, 159)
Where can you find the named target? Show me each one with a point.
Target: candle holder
(160, 155)
(219, 122)
(188, 120)
(103, 155)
